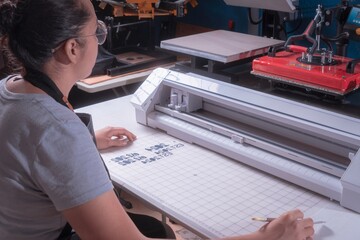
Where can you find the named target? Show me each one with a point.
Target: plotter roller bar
(297, 127)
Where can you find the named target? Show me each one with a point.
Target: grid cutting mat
(214, 195)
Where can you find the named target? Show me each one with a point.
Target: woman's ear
(71, 50)
(67, 52)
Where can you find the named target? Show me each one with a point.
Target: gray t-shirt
(48, 163)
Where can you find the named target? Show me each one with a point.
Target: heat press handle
(274, 49)
(305, 35)
(292, 48)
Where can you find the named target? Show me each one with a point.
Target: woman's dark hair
(33, 28)
(11, 64)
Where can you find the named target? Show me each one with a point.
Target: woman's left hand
(113, 137)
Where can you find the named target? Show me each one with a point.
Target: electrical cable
(299, 19)
(252, 20)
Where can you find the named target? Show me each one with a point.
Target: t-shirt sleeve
(69, 168)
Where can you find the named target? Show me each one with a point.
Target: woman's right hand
(289, 226)
(113, 137)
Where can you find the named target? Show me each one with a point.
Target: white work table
(213, 53)
(119, 81)
(204, 191)
(220, 45)
(100, 84)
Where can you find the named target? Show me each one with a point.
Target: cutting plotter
(306, 145)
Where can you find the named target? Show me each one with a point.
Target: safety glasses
(101, 32)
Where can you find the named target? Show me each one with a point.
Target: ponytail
(7, 22)
(7, 13)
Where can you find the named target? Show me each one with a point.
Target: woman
(51, 173)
